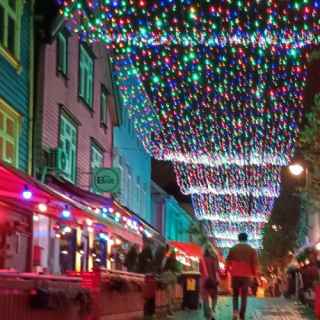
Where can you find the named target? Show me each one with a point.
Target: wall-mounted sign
(106, 179)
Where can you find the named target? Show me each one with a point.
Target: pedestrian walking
(168, 278)
(209, 268)
(243, 263)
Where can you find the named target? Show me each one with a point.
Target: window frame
(104, 109)
(12, 57)
(10, 113)
(62, 35)
(84, 71)
(64, 117)
(95, 148)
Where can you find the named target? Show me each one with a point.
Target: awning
(190, 249)
(14, 182)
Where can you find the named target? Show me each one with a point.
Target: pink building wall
(59, 91)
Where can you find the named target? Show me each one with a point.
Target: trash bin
(191, 290)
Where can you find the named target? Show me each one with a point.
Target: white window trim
(86, 67)
(61, 37)
(12, 57)
(9, 112)
(70, 176)
(95, 163)
(104, 107)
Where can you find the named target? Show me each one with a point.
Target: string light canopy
(234, 208)
(229, 179)
(230, 230)
(228, 238)
(226, 243)
(216, 88)
(232, 93)
(190, 22)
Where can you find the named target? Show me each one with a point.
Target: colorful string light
(216, 88)
(213, 207)
(202, 92)
(229, 179)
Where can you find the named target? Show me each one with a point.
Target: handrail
(34, 276)
(126, 274)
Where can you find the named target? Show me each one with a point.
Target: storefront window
(67, 236)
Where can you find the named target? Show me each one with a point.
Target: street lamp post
(297, 169)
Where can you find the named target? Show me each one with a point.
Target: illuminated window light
(35, 217)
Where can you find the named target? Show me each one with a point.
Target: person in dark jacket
(242, 262)
(169, 278)
(131, 259)
(209, 268)
(145, 259)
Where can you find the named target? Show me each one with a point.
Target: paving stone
(258, 309)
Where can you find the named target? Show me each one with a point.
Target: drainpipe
(31, 91)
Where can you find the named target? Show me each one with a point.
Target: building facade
(16, 86)
(171, 219)
(75, 115)
(76, 108)
(16, 116)
(135, 167)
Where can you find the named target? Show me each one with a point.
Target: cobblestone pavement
(258, 309)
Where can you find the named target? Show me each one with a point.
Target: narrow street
(266, 309)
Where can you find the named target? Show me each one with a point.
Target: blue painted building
(135, 166)
(16, 82)
(171, 219)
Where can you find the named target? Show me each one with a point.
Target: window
(122, 172)
(62, 53)
(129, 188)
(10, 26)
(142, 201)
(9, 134)
(68, 146)
(138, 195)
(86, 77)
(125, 185)
(104, 106)
(96, 161)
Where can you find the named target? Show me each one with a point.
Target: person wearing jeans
(243, 264)
(209, 268)
(169, 279)
(240, 284)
